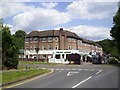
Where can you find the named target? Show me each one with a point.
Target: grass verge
(37, 62)
(9, 77)
(0, 77)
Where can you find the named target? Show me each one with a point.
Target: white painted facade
(54, 56)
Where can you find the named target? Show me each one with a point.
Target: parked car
(75, 58)
(96, 59)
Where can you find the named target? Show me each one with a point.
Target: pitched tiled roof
(33, 34)
(53, 33)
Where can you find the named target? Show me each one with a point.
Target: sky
(91, 19)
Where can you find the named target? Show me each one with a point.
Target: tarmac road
(77, 76)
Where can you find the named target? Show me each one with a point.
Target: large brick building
(50, 41)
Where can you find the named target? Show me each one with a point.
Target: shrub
(113, 61)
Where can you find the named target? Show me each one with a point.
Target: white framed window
(43, 48)
(49, 47)
(57, 56)
(69, 47)
(35, 39)
(49, 39)
(69, 39)
(56, 47)
(44, 39)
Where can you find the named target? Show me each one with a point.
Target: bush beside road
(113, 60)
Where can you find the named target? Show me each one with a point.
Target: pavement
(86, 75)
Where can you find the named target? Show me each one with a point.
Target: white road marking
(99, 71)
(81, 82)
(73, 69)
(56, 69)
(62, 69)
(92, 70)
(79, 69)
(71, 73)
(68, 69)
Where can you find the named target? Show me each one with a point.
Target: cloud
(91, 10)
(91, 32)
(58, 0)
(10, 9)
(39, 18)
(28, 17)
(49, 5)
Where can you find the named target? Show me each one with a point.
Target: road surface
(77, 76)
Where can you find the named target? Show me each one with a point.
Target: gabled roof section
(33, 34)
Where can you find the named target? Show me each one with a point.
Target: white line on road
(92, 70)
(56, 69)
(81, 82)
(73, 69)
(68, 69)
(79, 69)
(99, 71)
(71, 73)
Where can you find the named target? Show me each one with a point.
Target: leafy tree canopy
(115, 30)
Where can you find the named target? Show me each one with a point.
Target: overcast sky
(91, 20)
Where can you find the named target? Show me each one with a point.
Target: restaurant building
(56, 45)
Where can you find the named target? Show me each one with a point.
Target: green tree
(109, 47)
(20, 36)
(9, 49)
(115, 30)
(1, 26)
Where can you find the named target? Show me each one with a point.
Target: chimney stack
(61, 29)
